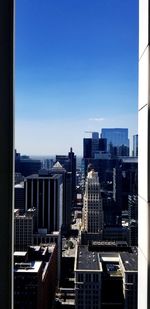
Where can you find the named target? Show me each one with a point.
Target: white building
(92, 216)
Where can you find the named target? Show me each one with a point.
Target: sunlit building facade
(92, 205)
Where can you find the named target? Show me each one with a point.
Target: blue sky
(76, 70)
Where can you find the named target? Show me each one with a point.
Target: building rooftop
(114, 263)
(20, 253)
(44, 176)
(32, 267)
(129, 261)
(87, 260)
(57, 165)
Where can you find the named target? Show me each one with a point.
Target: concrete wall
(144, 156)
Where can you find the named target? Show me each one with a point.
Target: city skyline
(76, 70)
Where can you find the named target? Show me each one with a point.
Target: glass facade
(116, 136)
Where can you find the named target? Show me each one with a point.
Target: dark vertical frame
(6, 151)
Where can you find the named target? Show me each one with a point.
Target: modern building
(24, 226)
(104, 167)
(135, 145)
(117, 141)
(69, 163)
(47, 164)
(67, 191)
(92, 215)
(45, 194)
(105, 276)
(92, 147)
(125, 181)
(115, 233)
(25, 165)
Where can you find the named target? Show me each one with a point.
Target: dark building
(19, 197)
(24, 226)
(133, 219)
(104, 167)
(109, 209)
(93, 146)
(125, 181)
(25, 165)
(35, 277)
(69, 163)
(45, 194)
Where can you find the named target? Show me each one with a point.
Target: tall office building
(24, 225)
(67, 191)
(92, 205)
(117, 140)
(94, 147)
(25, 165)
(135, 145)
(45, 194)
(69, 163)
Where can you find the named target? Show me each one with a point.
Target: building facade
(35, 277)
(94, 146)
(69, 163)
(117, 140)
(92, 216)
(24, 225)
(45, 194)
(105, 276)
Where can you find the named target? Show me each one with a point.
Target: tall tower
(92, 204)
(117, 141)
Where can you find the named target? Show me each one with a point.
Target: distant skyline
(76, 71)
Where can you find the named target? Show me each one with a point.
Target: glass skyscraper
(116, 137)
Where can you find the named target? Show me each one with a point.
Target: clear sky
(76, 71)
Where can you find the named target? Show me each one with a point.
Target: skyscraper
(26, 166)
(117, 138)
(93, 146)
(69, 163)
(92, 205)
(67, 191)
(45, 193)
